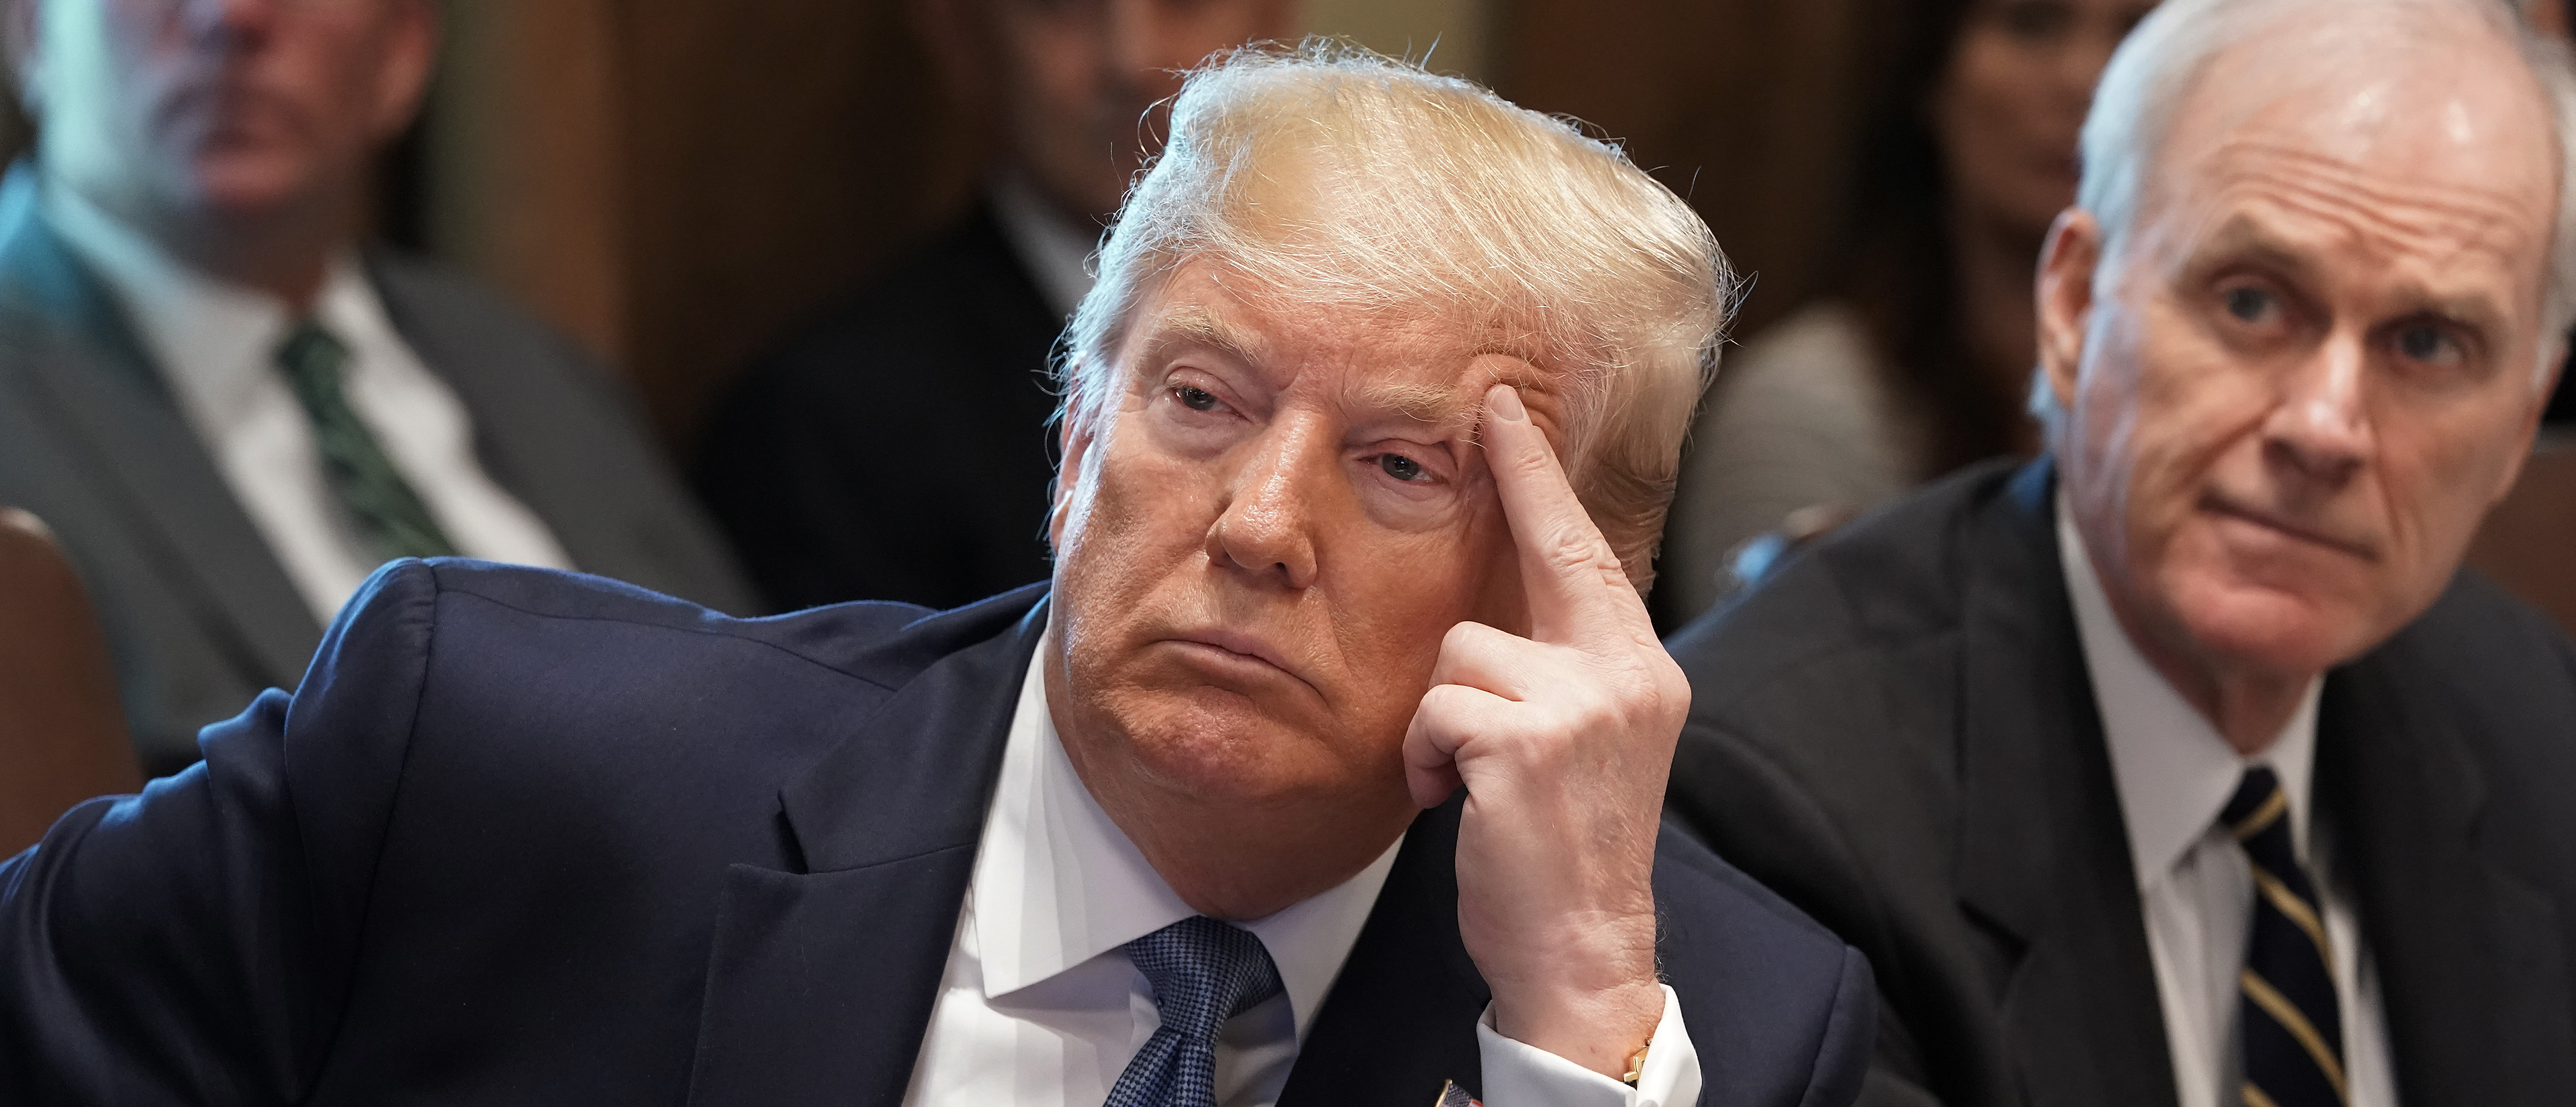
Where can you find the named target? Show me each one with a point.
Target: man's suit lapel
(2044, 858)
(520, 442)
(1401, 1017)
(88, 366)
(2473, 978)
(820, 981)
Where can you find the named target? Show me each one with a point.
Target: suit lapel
(108, 399)
(820, 982)
(495, 383)
(2461, 947)
(2044, 857)
(1401, 1016)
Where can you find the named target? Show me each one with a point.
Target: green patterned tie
(374, 492)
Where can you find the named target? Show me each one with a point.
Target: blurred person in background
(228, 408)
(895, 447)
(1917, 360)
(2184, 765)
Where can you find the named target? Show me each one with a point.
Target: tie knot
(312, 355)
(1203, 971)
(2257, 806)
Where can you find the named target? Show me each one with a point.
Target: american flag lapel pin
(1451, 1095)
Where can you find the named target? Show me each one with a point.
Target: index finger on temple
(1567, 567)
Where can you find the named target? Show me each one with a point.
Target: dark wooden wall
(675, 180)
(1746, 107)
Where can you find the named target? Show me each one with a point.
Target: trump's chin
(1213, 745)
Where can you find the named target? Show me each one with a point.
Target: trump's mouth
(1236, 651)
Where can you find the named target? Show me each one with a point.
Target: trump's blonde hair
(1332, 177)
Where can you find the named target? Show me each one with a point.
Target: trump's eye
(1402, 468)
(1195, 399)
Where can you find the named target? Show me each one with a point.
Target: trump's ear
(2065, 294)
(1073, 434)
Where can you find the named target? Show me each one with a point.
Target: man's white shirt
(1054, 249)
(2175, 773)
(1040, 1006)
(215, 346)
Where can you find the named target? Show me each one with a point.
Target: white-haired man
(1181, 831)
(2183, 765)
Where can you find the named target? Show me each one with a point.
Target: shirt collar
(2175, 773)
(1057, 883)
(1056, 250)
(212, 340)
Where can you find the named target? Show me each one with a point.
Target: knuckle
(1461, 636)
(1567, 549)
(1535, 461)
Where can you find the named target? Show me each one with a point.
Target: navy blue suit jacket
(529, 837)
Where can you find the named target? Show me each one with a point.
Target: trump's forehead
(1424, 362)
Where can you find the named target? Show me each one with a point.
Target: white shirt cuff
(1520, 1075)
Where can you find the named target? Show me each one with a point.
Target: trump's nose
(1265, 528)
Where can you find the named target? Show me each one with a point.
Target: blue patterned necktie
(2288, 1019)
(382, 504)
(1203, 972)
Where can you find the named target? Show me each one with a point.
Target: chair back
(2528, 542)
(62, 736)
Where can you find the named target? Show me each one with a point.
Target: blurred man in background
(229, 411)
(896, 447)
(2182, 765)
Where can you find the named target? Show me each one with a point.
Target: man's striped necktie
(2288, 1020)
(382, 504)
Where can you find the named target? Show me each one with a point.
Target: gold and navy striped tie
(2287, 1018)
(378, 499)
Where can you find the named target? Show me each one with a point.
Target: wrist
(1599, 1029)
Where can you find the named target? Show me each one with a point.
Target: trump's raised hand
(1563, 740)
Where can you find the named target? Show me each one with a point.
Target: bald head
(2438, 73)
(2298, 330)
(2415, 140)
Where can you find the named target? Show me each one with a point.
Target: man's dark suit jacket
(897, 447)
(1898, 733)
(527, 837)
(198, 611)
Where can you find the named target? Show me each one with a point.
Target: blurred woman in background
(1918, 357)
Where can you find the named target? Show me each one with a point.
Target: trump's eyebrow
(1196, 327)
(1451, 407)
(1440, 404)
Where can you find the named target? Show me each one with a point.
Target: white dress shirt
(1040, 1006)
(215, 344)
(1055, 250)
(2175, 774)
